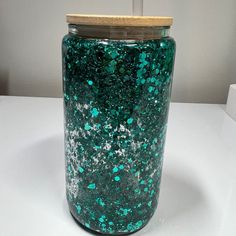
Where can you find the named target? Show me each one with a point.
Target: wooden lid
(111, 20)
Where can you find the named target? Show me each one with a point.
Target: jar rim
(118, 32)
(119, 20)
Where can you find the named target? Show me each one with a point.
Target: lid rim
(116, 20)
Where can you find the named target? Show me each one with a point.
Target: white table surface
(198, 191)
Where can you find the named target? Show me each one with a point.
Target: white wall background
(205, 31)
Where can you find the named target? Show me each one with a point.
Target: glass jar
(117, 83)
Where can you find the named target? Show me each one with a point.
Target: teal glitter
(139, 224)
(87, 127)
(100, 202)
(116, 99)
(97, 147)
(130, 121)
(143, 56)
(92, 186)
(81, 170)
(125, 211)
(150, 89)
(145, 145)
(87, 225)
(94, 112)
(90, 82)
(150, 181)
(75, 98)
(78, 207)
(98, 126)
(153, 79)
(117, 178)
(142, 182)
(115, 169)
(143, 81)
(121, 167)
(69, 168)
(114, 54)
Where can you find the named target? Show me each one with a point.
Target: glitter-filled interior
(116, 100)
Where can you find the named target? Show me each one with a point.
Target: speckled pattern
(116, 99)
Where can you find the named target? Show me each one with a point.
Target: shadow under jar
(117, 77)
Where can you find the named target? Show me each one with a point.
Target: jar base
(100, 234)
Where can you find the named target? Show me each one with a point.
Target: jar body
(116, 100)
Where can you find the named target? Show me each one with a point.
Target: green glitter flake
(94, 112)
(143, 81)
(157, 83)
(142, 182)
(145, 145)
(69, 168)
(114, 54)
(116, 99)
(87, 127)
(121, 70)
(154, 140)
(151, 89)
(87, 225)
(98, 126)
(140, 73)
(81, 170)
(125, 211)
(152, 193)
(78, 208)
(100, 202)
(138, 191)
(111, 67)
(92, 186)
(75, 98)
(97, 147)
(130, 160)
(143, 56)
(66, 97)
(139, 224)
(130, 227)
(121, 167)
(153, 79)
(130, 121)
(117, 178)
(139, 205)
(110, 154)
(115, 169)
(90, 82)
